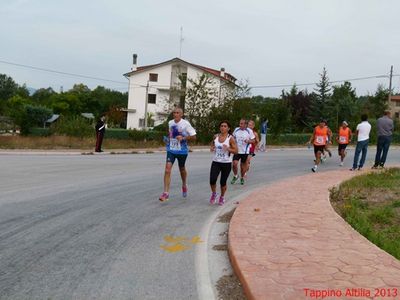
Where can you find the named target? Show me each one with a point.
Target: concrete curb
(144, 150)
(91, 152)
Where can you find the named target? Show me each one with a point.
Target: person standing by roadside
(362, 132)
(180, 132)
(343, 138)
(385, 132)
(263, 142)
(243, 137)
(100, 130)
(223, 146)
(319, 139)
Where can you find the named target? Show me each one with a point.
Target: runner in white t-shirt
(180, 131)
(243, 137)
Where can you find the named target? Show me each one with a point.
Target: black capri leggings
(216, 168)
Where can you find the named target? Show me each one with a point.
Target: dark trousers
(99, 140)
(361, 147)
(382, 149)
(218, 167)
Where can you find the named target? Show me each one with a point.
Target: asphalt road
(91, 227)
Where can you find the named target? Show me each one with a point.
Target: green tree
(343, 105)
(38, 114)
(8, 88)
(65, 104)
(23, 91)
(82, 96)
(300, 107)
(16, 109)
(378, 103)
(42, 96)
(279, 119)
(102, 99)
(322, 97)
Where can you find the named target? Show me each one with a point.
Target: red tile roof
(217, 73)
(395, 98)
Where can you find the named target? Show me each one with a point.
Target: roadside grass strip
(370, 203)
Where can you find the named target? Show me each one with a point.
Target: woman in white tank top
(223, 146)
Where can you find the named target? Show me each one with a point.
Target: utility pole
(145, 105)
(390, 84)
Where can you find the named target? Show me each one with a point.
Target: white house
(153, 87)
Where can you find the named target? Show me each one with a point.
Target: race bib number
(342, 139)
(240, 141)
(174, 144)
(220, 153)
(319, 139)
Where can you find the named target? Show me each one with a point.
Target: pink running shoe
(213, 197)
(221, 200)
(164, 197)
(184, 191)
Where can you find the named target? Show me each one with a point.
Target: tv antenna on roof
(181, 42)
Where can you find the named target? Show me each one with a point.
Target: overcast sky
(264, 42)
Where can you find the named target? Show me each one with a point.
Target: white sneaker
(341, 164)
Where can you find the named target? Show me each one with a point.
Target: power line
(314, 83)
(138, 85)
(60, 72)
(76, 75)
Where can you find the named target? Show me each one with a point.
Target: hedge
(112, 133)
(38, 131)
(140, 135)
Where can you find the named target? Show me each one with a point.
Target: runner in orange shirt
(343, 139)
(319, 140)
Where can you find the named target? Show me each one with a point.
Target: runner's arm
(212, 146)
(232, 146)
(312, 137)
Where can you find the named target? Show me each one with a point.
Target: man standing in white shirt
(244, 137)
(362, 132)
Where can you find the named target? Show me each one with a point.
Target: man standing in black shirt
(100, 129)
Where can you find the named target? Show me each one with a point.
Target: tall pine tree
(322, 97)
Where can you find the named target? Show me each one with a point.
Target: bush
(117, 133)
(6, 124)
(73, 126)
(134, 134)
(289, 139)
(37, 131)
(142, 135)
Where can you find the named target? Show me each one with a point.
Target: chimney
(134, 65)
(222, 73)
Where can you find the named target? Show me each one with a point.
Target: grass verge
(371, 205)
(68, 142)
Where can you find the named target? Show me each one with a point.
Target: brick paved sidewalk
(286, 238)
